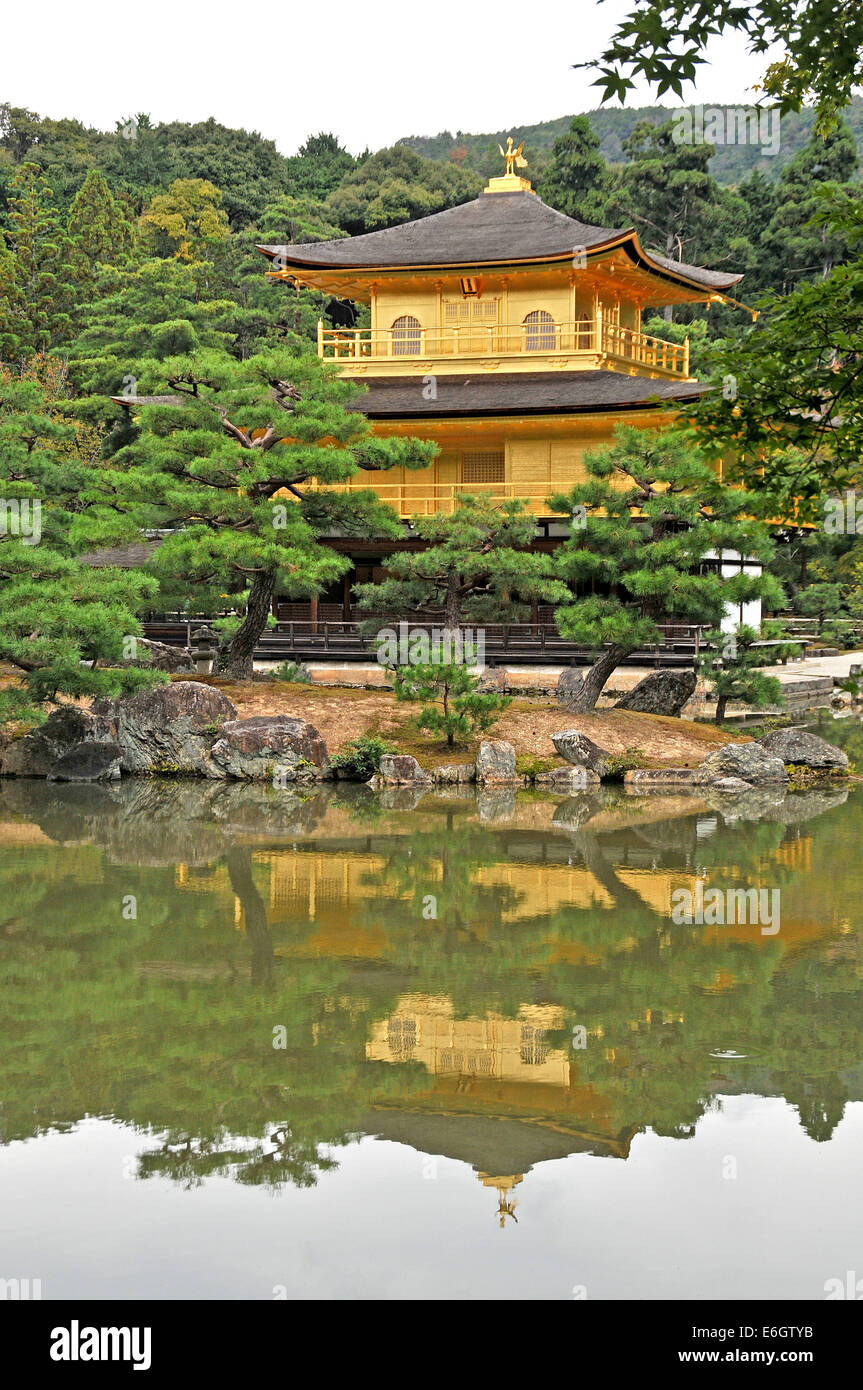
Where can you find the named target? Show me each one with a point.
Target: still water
(260, 1046)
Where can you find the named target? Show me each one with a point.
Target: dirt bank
(343, 714)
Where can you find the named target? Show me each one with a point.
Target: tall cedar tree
(59, 618)
(98, 226)
(576, 179)
(651, 512)
(36, 293)
(667, 190)
(474, 565)
(237, 465)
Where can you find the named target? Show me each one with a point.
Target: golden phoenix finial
(514, 158)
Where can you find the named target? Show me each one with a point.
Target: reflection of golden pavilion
(423, 1029)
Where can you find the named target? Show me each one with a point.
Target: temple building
(507, 333)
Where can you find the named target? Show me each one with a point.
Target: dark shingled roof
(517, 393)
(496, 227)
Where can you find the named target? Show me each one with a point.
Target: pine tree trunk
(247, 636)
(452, 603)
(595, 680)
(721, 702)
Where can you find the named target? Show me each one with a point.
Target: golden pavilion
(507, 333)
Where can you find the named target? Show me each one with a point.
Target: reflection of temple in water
(506, 1068)
(503, 1093)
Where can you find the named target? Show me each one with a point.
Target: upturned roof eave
(627, 240)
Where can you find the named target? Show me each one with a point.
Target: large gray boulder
(569, 686)
(804, 749)
(454, 774)
(581, 751)
(168, 729)
(399, 769)
(495, 761)
(88, 762)
(268, 746)
(748, 761)
(35, 753)
(662, 692)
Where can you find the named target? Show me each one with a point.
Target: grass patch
(526, 765)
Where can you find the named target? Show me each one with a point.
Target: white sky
(369, 70)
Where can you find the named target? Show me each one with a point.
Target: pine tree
(237, 465)
(731, 663)
(648, 525)
(475, 565)
(63, 623)
(452, 703)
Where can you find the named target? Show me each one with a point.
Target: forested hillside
(614, 125)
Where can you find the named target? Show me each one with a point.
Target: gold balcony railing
(425, 498)
(584, 337)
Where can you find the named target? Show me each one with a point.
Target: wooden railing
(424, 498)
(531, 642)
(582, 337)
(644, 350)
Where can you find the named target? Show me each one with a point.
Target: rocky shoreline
(188, 729)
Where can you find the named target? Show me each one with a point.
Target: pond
(261, 1046)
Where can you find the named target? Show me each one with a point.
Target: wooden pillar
(313, 612)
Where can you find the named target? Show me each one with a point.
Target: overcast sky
(371, 71)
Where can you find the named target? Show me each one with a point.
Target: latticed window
(470, 310)
(533, 1048)
(407, 336)
(484, 466)
(540, 331)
